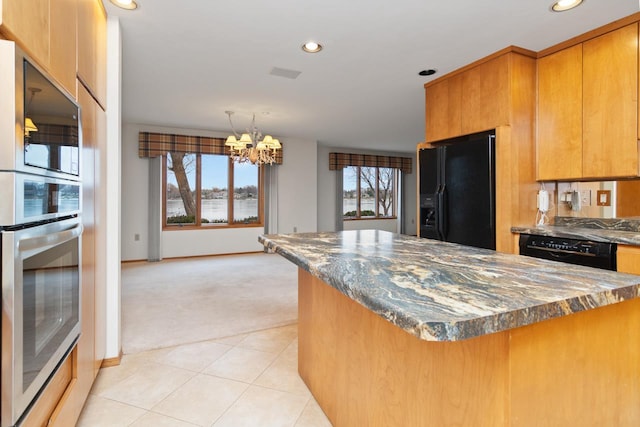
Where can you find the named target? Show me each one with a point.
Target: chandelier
(251, 146)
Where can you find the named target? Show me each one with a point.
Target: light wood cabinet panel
(100, 308)
(628, 259)
(27, 21)
(559, 146)
(92, 48)
(443, 109)
(610, 112)
(63, 43)
(485, 96)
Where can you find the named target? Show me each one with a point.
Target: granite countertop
(442, 291)
(624, 231)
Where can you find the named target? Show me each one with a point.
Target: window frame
(198, 225)
(377, 216)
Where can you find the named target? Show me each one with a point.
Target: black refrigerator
(457, 191)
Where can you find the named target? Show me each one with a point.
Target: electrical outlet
(585, 197)
(136, 237)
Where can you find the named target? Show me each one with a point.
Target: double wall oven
(40, 230)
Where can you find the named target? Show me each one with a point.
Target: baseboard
(127, 261)
(112, 361)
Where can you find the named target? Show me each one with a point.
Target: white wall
(297, 190)
(296, 201)
(327, 194)
(111, 172)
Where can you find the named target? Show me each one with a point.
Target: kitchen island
(395, 330)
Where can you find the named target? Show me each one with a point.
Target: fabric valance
(338, 161)
(151, 144)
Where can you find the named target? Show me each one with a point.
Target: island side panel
(581, 370)
(363, 370)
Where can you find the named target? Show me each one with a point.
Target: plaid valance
(338, 161)
(48, 134)
(151, 144)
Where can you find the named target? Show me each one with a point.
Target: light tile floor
(244, 380)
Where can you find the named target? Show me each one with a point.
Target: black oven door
(40, 308)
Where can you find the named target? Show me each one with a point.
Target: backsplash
(588, 193)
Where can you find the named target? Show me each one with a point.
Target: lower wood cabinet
(628, 259)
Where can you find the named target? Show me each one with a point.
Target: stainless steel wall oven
(40, 230)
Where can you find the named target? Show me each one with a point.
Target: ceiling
(185, 63)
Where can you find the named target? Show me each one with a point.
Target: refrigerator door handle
(441, 207)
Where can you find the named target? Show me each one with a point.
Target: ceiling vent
(283, 72)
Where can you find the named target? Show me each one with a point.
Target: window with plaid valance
(151, 144)
(339, 161)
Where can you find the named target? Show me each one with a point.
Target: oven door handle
(37, 244)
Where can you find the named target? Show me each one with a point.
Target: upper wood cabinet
(46, 33)
(473, 99)
(443, 108)
(559, 145)
(92, 48)
(588, 109)
(485, 95)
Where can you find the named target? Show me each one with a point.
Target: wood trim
(509, 49)
(612, 26)
(112, 361)
(129, 261)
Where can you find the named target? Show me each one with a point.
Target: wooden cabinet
(28, 22)
(471, 100)
(443, 108)
(588, 109)
(62, 59)
(46, 33)
(92, 48)
(628, 259)
(559, 145)
(485, 95)
(610, 104)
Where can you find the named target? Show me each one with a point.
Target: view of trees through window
(369, 192)
(198, 189)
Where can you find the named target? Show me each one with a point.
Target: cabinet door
(92, 36)
(485, 96)
(27, 21)
(628, 259)
(442, 108)
(559, 145)
(63, 43)
(86, 352)
(610, 110)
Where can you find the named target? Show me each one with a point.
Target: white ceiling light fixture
(125, 4)
(562, 5)
(251, 146)
(312, 47)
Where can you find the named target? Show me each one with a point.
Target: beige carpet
(174, 302)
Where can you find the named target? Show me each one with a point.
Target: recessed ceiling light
(125, 4)
(312, 47)
(562, 5)
(428, 72)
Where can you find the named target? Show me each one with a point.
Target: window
(207, 190)
(369, 192)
